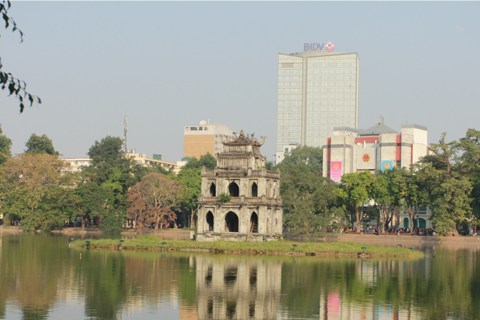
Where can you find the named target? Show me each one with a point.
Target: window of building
(233, 189)
(200, 128)
(254, 190)
(194, 128)
(254, 223)
(231, 222)
(213, 190)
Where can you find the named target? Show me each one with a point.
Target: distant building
(350, 150)
(76, 164)
(204, 138)
(141, 158)
(317, 90)
(280, 155)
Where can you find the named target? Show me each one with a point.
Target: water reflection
(41, 278)
(237, 288)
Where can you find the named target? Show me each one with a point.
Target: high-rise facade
(205, 138)
(317, 90)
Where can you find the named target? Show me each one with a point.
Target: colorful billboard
(336, 171)
(387, 165)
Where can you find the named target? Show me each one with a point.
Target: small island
(282, 247)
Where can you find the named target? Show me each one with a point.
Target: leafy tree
(470, 166)
(191, 181)
(269, 165)
(14, 86)
(353, 193)
(386, 196)
(310, 156)
(159, 195)
(450, 195)
(207, 160)
(40, 145)
(34, 190)
(309, 200)
(114, 174)
(5, 147)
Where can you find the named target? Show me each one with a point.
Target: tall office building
(317, 90)
(203, 138)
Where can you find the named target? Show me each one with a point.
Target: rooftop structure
(204, 138)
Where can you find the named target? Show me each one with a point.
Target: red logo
(366, 158)
(329, 46)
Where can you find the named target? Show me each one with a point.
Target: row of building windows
(332, 64)
(289, 109)
(332, 96)
(196, 128)
(290, 71)
(289, 128)
(332, 71)
(342, 121)
(289, 102)
(283, 141)
(290, 96)
(332, 77)
(289, 121)
(333, 115)
(331, 102)
(332, 83)
(289, 84)
(290, 90)
(332, 90)
(289, 134)
(290, 65)
(289, 78)
(331, 109)
(315, 142)
(290, 115)
(327, 132)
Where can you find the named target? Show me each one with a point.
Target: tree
(159, 195)
(450, 196)
(5, 147)
(34, 190)
(40, 145)
(191, 181)
(353, 194)
(384, 191)
(309, 201)
(310, 156)
(15, 86)
(207, 160)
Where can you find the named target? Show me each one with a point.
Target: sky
(165, 65)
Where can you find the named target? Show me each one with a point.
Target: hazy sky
(166, 65)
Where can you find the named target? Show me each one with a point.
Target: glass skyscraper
(317, 90)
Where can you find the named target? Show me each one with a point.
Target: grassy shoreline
(338, 249)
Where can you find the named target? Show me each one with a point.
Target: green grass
(151, 242)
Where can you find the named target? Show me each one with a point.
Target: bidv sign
(318, 46)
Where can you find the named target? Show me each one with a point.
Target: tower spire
(125, 131)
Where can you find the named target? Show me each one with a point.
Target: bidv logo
(318, 46)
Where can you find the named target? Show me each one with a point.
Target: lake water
(42, 278)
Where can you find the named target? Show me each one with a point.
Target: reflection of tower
(125, 130)
(235, 288)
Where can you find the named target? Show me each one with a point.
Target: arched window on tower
(254, 223)
(213, 190)
(231, 222)
(233, 189)
(210, 221)
(254, 190)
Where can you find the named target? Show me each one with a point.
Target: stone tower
(254, 211)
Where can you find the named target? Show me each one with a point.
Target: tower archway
(254, 223)
(210, 221)
(231, 222)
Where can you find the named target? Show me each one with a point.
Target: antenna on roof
(125, 131)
